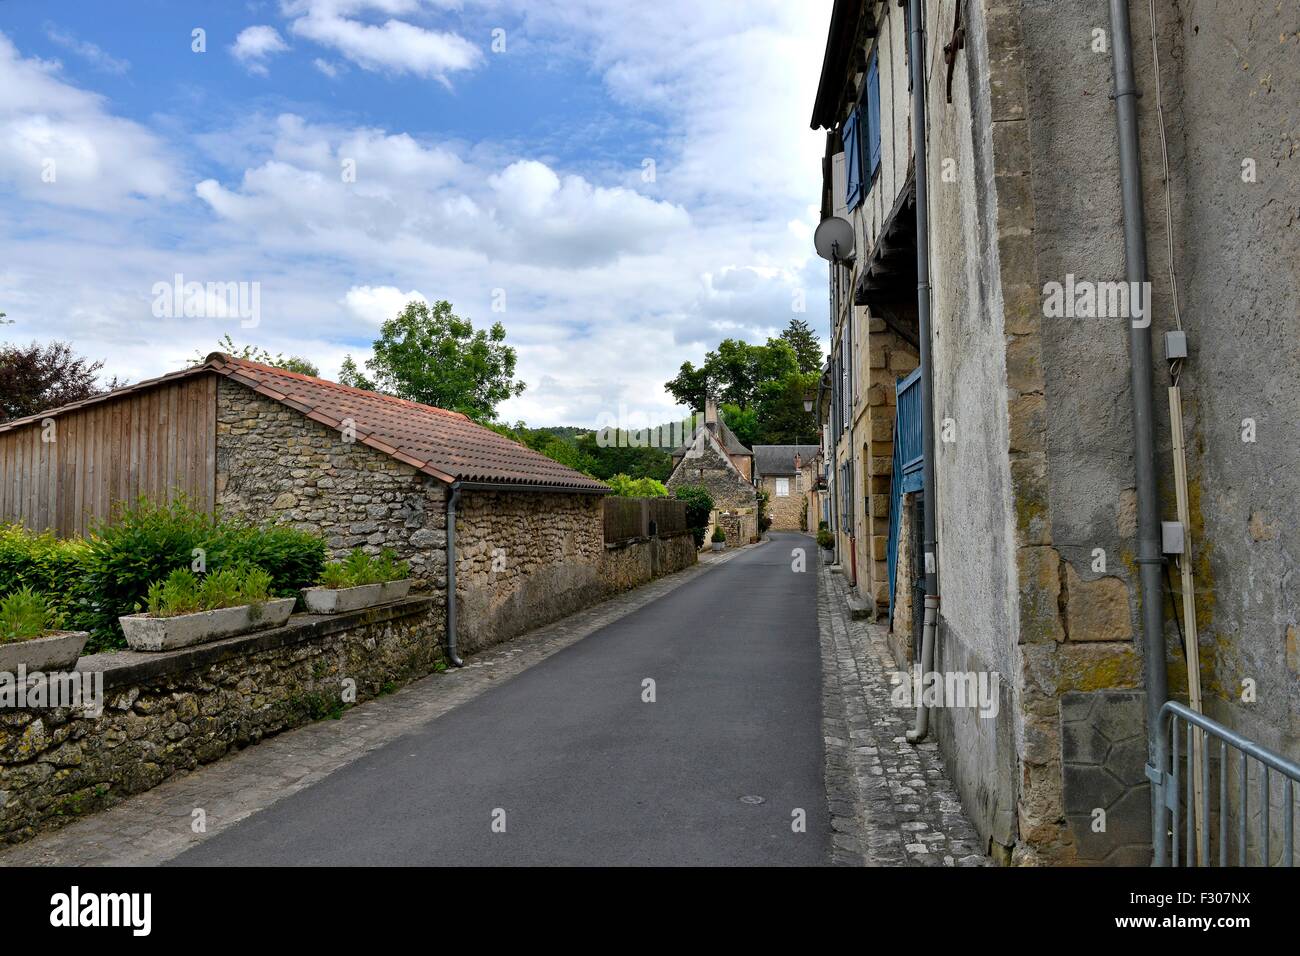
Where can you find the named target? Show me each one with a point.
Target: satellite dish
(834, 239)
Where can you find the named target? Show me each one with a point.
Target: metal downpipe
(919, 127)
(453, 499)
(1150, 559)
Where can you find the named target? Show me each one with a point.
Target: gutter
(1150, 558)
(916, 66)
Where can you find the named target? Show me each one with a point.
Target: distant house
(716, 459)
(788, 473)
(366, 470)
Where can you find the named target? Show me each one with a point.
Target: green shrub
(825, 538)
(699, 507)
(146, 542)
(359, 568)
(184, 592)
(718, 534)
(625, 486)
(47, 565)
(25, 615)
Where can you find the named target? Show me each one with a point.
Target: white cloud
(61, 145)
(255, 45)
(90, 52)
(394, 46)
(378, 304)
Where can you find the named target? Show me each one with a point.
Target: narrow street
(584, 770)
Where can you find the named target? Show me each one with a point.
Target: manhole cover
(751, 798)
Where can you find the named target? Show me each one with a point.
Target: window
(861, 135)
(798, 482)
(783, 487)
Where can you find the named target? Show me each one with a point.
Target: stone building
(1036, 506)
(365, 470)
(788, 473)
(716, 459)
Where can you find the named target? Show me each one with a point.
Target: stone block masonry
(169, 712)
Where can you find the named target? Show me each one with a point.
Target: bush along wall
(93, 582)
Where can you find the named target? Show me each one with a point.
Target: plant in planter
(185, 608)
(30, 634)
(719, 538)
(359, 581)
(825, 538)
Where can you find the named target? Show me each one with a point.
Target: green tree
(699, 508)
(689, 386)
(781, 417)
(252, 353)
(628, 487)
(807, 350)
(431, 355)
(743, 423)
(36, 377)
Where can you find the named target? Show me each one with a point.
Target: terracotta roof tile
(441, 443)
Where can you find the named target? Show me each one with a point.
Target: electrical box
(1171, 537)
(1175, 345)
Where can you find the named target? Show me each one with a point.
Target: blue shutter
(851, 134)
(873, 119)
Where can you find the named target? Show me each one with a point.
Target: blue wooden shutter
(873, 119)
(851, 134)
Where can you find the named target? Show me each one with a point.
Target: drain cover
(751, 798)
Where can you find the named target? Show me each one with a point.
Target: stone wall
(176, 710)
(788, 513)
(704, 464)
(523, 560)
(274, 464)
(630, 564)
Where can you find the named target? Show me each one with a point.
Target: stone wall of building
(173, 711)
(705, 465)
(796, 511)
(274, 464)
(523, 560)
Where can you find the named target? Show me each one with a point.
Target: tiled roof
(779, 459)
(444, 444)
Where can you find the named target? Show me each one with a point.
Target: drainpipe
(1150, 560)
(919, 128)
(453, 499)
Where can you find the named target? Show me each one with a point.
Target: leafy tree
(627, 487)
(689, 387)
(782, 420)
(36, 377)
(743, 423)
(431, 355)
(807, 350)
(252, 353)
(350, 374)
(612, 458)
(699, 509)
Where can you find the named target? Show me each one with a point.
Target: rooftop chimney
(711, 411)
(798, 462)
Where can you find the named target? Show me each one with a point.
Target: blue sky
(620, 184)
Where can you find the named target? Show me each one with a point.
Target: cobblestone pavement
(156, 826)
(890, 802)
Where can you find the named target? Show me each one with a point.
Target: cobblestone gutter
(890, 802)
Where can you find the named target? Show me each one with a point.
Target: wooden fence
(629, 518)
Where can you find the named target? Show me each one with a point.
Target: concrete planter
(341, 600)
(719, 545)
(145, 633)
(56, 651)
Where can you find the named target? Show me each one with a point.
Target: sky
(621, 184)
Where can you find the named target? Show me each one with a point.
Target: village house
(715, 459)
(365, 470)
(1049, 539)
(788, 473)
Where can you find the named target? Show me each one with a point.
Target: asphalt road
(584, 770)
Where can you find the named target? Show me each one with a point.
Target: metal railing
(1174, 793)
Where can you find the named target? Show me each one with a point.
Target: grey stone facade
(705, 463)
